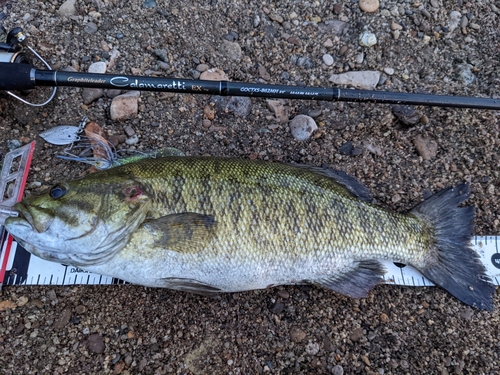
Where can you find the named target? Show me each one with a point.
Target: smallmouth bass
(210, 225)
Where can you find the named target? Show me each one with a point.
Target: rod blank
(37, 77)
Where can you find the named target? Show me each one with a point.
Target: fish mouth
(25, 216)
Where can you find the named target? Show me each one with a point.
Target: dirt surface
(134, 330)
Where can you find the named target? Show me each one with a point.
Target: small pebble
(279, 109)
(454, 20)
(231, 36)
(62, 319)
(338, 8)
(240, 106)
(406, 114)
(90, 28)
(149, 4)
(277, 308)
(67, 8)
(302, 127)
(214, 74)
(256, 21)
(202, 68)
(426, 147)
(12, 144)
(231, 50)
(369, 6)
(276, 17)
(97, 67)
(328, 43)
(90, 95)
(263, 73)
(359, 58)
(328, 59)
(338, 370)
(95, 343)
(346, 148)
(129, 131)
(21, 301)
(161, 54)
(297, 335)
(357, 334)
(283, 294)
(312, 348)
(132, 140)
(315, 112)
(80, 309)
(396, 26)
(209, 112)
(111, 93)
(367, 39)
(389, 71)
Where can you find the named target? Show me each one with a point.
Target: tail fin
(452, 264)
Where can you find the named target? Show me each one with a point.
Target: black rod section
(418, 99)
(224, 88)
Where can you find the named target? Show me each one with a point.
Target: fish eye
(58, 191)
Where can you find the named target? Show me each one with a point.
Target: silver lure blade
(61, 135)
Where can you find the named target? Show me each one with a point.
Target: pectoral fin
(186, 232)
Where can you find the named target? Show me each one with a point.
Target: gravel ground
(134, 330)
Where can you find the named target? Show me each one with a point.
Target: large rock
(302, 127)
(67, 9)
(126, 106)
(364, 80)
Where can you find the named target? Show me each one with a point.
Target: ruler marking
(43, 272)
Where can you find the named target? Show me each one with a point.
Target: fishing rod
(18, 74)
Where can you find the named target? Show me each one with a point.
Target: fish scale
(210, 225)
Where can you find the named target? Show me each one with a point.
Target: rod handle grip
(16, 76)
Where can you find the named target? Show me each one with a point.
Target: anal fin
(356, 282)
(190, 285)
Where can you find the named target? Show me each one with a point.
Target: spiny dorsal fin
(351, 184)
(186, 232)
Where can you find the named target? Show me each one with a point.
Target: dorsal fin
(351, 184)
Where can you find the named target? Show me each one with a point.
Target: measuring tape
(19, 267)
(23, 268)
